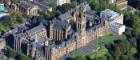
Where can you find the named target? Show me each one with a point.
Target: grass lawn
(106, 38)
(102, 51)
(78, 53)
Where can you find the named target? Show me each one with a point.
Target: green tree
(136, 26)
(10, 53)
(1, 27)
(65, 7)
(15, 1)
(22, 57)
(19, 18)
(7, 22)
(53, 13)
(117, 53)
(80, 58)
(123, 57)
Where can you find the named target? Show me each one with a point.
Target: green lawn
(106, 38)
(102, 51)
(78, 53)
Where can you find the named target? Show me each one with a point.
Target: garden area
(101, 52)
(106, 38)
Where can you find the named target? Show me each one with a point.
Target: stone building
(6, 2)
(58, 30)
(37, 32)
(61, 2)
(47, 52)
(122, 4)
(43, 6)
(111, 16)
(2, 43)
(27, 8)
(40, 41)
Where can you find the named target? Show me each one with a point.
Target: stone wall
(81, 41)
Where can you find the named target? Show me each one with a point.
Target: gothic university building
(55, 38)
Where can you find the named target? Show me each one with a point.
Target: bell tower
(81, 21)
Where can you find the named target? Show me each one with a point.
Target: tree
(123, 37)
(133, 42)
(21, 56)
(124, 45)
(15, 1)
(133, 51)
(19, 18)
(80, 58)
(65, 7)
(1, 27)
(58, 42)
(10, 53)
(117, 53)
(136, 26)
(7, 22)
(98, 4)
(53, 13)
(80, 1)
(123, 57)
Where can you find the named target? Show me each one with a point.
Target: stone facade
(122, 4)
(61, 2)
(73, 36)
(17, 44)
(27, 8)
(2, 43)
(81, 41)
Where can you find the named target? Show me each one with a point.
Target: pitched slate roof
(42, 5)
(65, 16)
(60, 25)
(92, 15)
(109, 15)
(25, 5)
(36, 29)
(1, 39)
(116, 26)
(84, 5)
